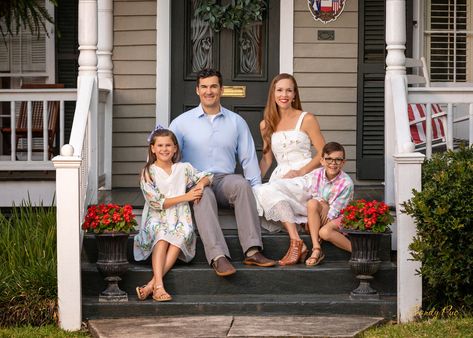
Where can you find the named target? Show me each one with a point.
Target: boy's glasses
(330, 160)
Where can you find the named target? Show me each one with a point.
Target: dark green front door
(248, 60)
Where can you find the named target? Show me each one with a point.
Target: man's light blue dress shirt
(213, 146)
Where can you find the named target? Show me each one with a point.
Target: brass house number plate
(234, 91)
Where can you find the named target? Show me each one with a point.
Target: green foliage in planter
(234, 15)
(28, 283)
(443, 213)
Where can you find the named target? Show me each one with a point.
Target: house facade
(339, 66)
(136, 67)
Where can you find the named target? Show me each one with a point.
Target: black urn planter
(364, 261)
(112, 263)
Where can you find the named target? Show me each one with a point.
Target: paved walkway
(232, 326)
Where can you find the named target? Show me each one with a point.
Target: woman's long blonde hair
(271, 111)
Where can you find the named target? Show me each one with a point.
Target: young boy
(332, 190)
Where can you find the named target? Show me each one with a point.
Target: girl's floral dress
(174, 224)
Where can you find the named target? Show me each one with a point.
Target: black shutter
(371, 72)
(370, 108)
(67, 53)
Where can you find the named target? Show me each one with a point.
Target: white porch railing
(76, 186)
(459, 103)
(15, 97)
(408, 167)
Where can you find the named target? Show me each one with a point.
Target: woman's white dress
(173, 225)
(283, 199)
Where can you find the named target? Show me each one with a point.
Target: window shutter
(370, 109)
(67, 52)
(24, 52)
(443, 43)
(4, 52)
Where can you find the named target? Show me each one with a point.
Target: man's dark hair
(331, 147)
(209, 72)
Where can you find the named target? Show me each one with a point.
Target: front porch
(294, 290)
(84, 166)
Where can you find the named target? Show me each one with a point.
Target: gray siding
(134, 62)
(326, 72)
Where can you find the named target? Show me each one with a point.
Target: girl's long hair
(152, 156)
(271, 111)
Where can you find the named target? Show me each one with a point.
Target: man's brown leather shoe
(223, 267)
(259, 260)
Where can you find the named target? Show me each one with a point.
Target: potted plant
(111, 225)
(365, 222)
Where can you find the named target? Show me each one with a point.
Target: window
(27, 55)
(448, 38)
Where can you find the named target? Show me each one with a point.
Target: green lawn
(441, 328)
(432, 328)
(43, 331)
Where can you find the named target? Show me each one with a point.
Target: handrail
(403, 137)
(85, 88)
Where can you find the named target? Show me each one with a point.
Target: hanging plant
(30, 14)
(234, 15)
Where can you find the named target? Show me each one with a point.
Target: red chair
(418, 124)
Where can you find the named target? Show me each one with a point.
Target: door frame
(163, 53)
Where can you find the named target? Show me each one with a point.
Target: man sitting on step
(210, 136)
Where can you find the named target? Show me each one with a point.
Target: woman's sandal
(161, 296)
(143, 292)
(314, 260)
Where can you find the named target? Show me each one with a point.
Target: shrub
(442, 212)
(28, 290)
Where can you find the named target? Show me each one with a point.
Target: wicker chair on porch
(21, 129)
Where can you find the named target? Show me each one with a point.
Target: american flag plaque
(326, 10)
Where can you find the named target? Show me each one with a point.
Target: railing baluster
(428, 131)
(449, 126)
(13, 130)
(45, 130)
(470, 125)
(29, 125)
(61, 124)
(25, 109)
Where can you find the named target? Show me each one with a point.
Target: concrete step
(200, 279)
(275, 247)
(241, 304)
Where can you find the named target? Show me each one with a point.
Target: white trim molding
(163, 62)
(286, 37)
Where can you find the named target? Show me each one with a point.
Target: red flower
(109, 218)
(366, 215)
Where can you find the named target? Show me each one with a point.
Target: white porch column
(87, 38)
(408, 171)
(105, 44)
(88, 68)
(68, 239)
(395, 61)
(105, 75)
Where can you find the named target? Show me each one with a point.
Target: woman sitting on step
(166, 231)
(288, 134)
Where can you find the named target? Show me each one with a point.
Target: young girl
(166, 230)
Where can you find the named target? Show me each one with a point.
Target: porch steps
(197, 290)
